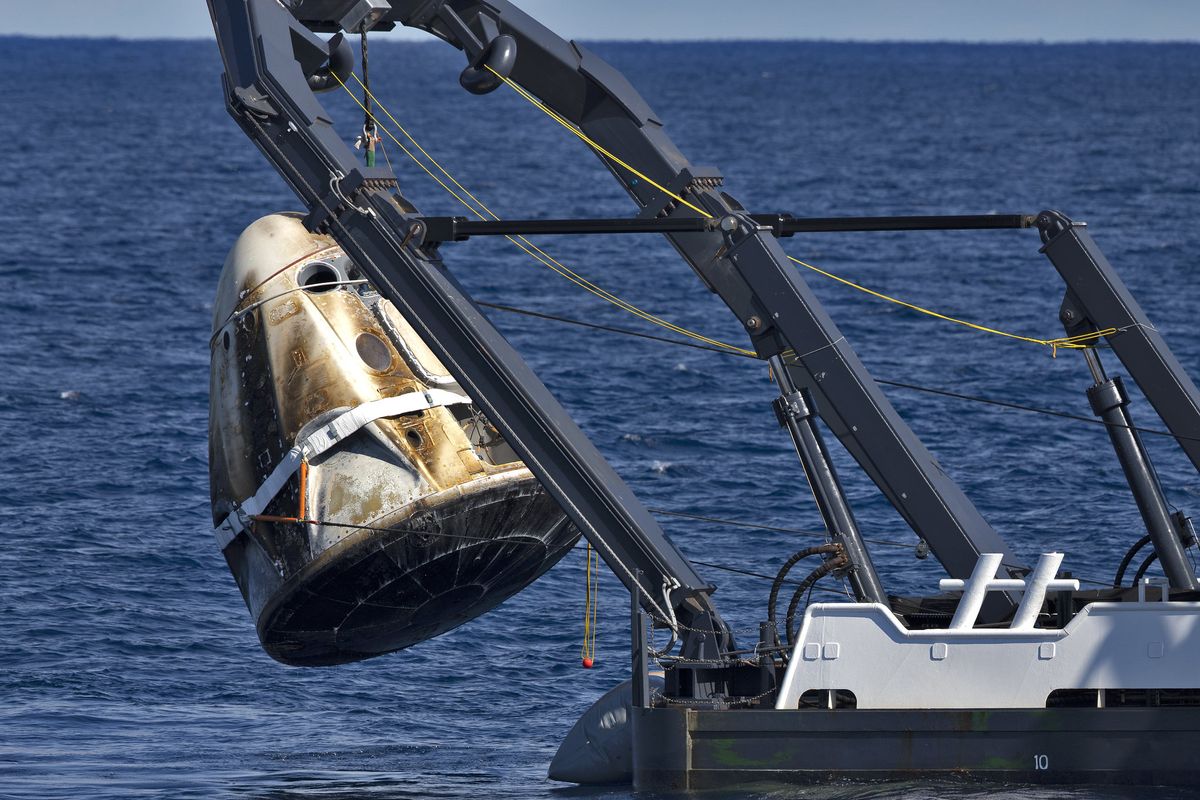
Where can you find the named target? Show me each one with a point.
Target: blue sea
(129, 666)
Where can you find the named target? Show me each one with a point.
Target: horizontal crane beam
(457, 229)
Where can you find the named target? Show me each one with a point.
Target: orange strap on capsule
(300, 517)
(303, 486)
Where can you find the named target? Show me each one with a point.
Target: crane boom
(274, 65)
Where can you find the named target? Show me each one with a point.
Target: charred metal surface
(455, 523)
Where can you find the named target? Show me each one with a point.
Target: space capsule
(361, 499)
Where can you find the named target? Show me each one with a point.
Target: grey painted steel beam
(1107, 303)
(457, 229)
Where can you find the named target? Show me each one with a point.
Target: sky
(958, 20)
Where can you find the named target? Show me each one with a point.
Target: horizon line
(384, 39)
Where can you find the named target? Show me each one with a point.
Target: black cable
(752, 574)
(1128, 559)
(410, 531)
(767, 577)
(756, 526)
(837, 562)
(1141, 573)
(1033, 409)
(708, 564)
(897, 384)
(368, 118)
(279, 520)
(610, 329)
(781, 576)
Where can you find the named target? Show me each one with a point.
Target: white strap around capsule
(322, 440)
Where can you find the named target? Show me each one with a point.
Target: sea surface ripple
(129, 666)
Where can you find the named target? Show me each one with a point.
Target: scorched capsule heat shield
(409, 515)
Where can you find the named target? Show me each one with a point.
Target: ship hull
(678, 749)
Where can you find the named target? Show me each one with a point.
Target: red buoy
(587, 663)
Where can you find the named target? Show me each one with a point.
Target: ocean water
(129, 666)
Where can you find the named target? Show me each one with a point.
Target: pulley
(494, 63)
(337, 69)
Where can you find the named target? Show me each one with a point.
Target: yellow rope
(587, 651)
(1069, 342)
(554, 115)
(424, 152)
(483, 212)
(1066, 342)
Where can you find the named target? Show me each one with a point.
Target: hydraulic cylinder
(1110, 402)
(796, 414)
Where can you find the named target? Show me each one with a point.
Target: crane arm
(273, 63)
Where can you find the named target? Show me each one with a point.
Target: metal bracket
(661, 204)
(346, 193)
(790, 407)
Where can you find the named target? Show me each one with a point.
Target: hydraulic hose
(1141, 573)
(828, 566)
(777, 585)
(1119, 581)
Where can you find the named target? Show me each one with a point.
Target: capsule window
(414, 438)
(249, 322)
(374, 352)
(318, 276)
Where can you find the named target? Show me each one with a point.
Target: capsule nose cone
(265, 247)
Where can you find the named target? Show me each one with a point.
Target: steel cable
(882, 381)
